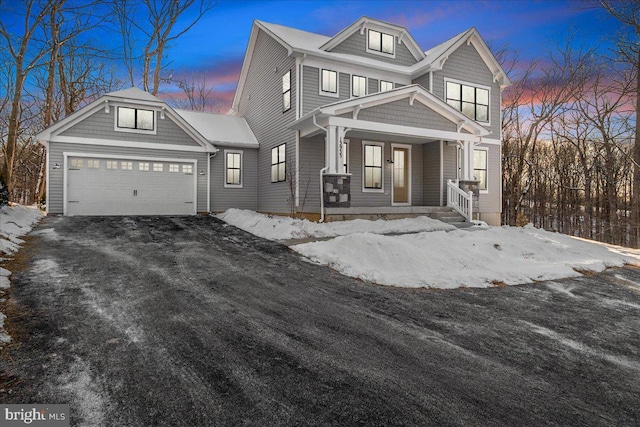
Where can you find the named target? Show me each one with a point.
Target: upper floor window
(135, 118)
(380, 42)
(385, 85)
(358, 86)
(472, 101)
(329, 82)
(278, 163)
(286, 91)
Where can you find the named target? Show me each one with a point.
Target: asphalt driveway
(188, 321)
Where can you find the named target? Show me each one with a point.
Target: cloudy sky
(215, 46)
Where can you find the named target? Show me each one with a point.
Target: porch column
(467, 161)
(335, 162)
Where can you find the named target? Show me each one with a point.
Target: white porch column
(467, 160)
(335, 163)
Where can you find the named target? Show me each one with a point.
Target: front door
(400, 175)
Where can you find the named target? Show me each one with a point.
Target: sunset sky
(215, 46)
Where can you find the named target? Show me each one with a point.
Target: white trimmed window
(112, 164)
(173, 168)
(233, 168)
(279, 163)
(188, 169)
(473, 101)
(143, 166)
(358, 86)
(385, 85)
(373, 173)
(380, 42)
(135, 118)
(480, 163)
(158, 167)
(286, 91)
(93, 164)
(126, 166)
(76, 163)
(328, 82)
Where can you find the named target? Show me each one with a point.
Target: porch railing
(460, 201)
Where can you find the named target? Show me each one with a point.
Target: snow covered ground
(435, 255)
(15, 221)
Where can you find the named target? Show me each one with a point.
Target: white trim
(224, 178)
(65, 181)
(376, 52)
(324, 93)
(486, 150)
(441, 203)
(46, 176)
(409, 159)
(209, 182)
(298, 85)
(399, 129)
(373, 190)
(131, 144)
(474, 85)
(297, 197)
(116, 128)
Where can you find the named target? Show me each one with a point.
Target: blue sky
(215, 46)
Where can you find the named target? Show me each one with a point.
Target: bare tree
(198, 96)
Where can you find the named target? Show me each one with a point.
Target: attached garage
(129, 186)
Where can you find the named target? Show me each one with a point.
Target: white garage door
(103, 186)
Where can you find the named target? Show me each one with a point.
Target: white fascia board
(248, 54)
(129, 144)
(230, 144)
(72, 119)
(386, 128)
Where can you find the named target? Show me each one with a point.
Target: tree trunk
(635, 196)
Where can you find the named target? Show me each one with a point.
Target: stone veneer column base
(337, 191)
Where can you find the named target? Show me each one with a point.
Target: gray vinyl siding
(449, 166)
(56, 176)
(311, 161)
(311, 89)
(223, 198)
(465, 64)
(101, 125)
(261, 105)
(373, 86)
(401, 113)
(490, 201)
(431, 166)
(356, 44)
(422, 81)
(417, 175)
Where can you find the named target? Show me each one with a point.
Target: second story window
(358, 86)
(380, 42)
(472, 101)
(135, 118)
(385, 86)
(286, 91)
(329, 82)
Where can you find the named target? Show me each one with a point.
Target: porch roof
(335, 114)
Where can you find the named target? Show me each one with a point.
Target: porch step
(441, 213)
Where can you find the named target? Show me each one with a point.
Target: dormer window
(134, 118)
(380, 42)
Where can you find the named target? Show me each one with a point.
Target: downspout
(209, 157)
(323, 170)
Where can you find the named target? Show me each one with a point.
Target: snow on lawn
(498, 255)
(15, 221)
(285, 228)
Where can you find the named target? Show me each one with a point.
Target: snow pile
(285, 228)
(15, 221)
(496, 256)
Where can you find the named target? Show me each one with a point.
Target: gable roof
(136, 94)
(413, 92)
(221, 128)
(365, 23)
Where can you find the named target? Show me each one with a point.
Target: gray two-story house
(361, 123)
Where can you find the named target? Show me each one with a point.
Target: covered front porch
(398, 153)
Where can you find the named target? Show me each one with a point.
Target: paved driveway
(187, 321)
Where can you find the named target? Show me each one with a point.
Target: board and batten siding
(246, 197)
(101, 125)
(356, 44)
(56, 176)
(261, 106)
(431, 166)
(466, 65)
